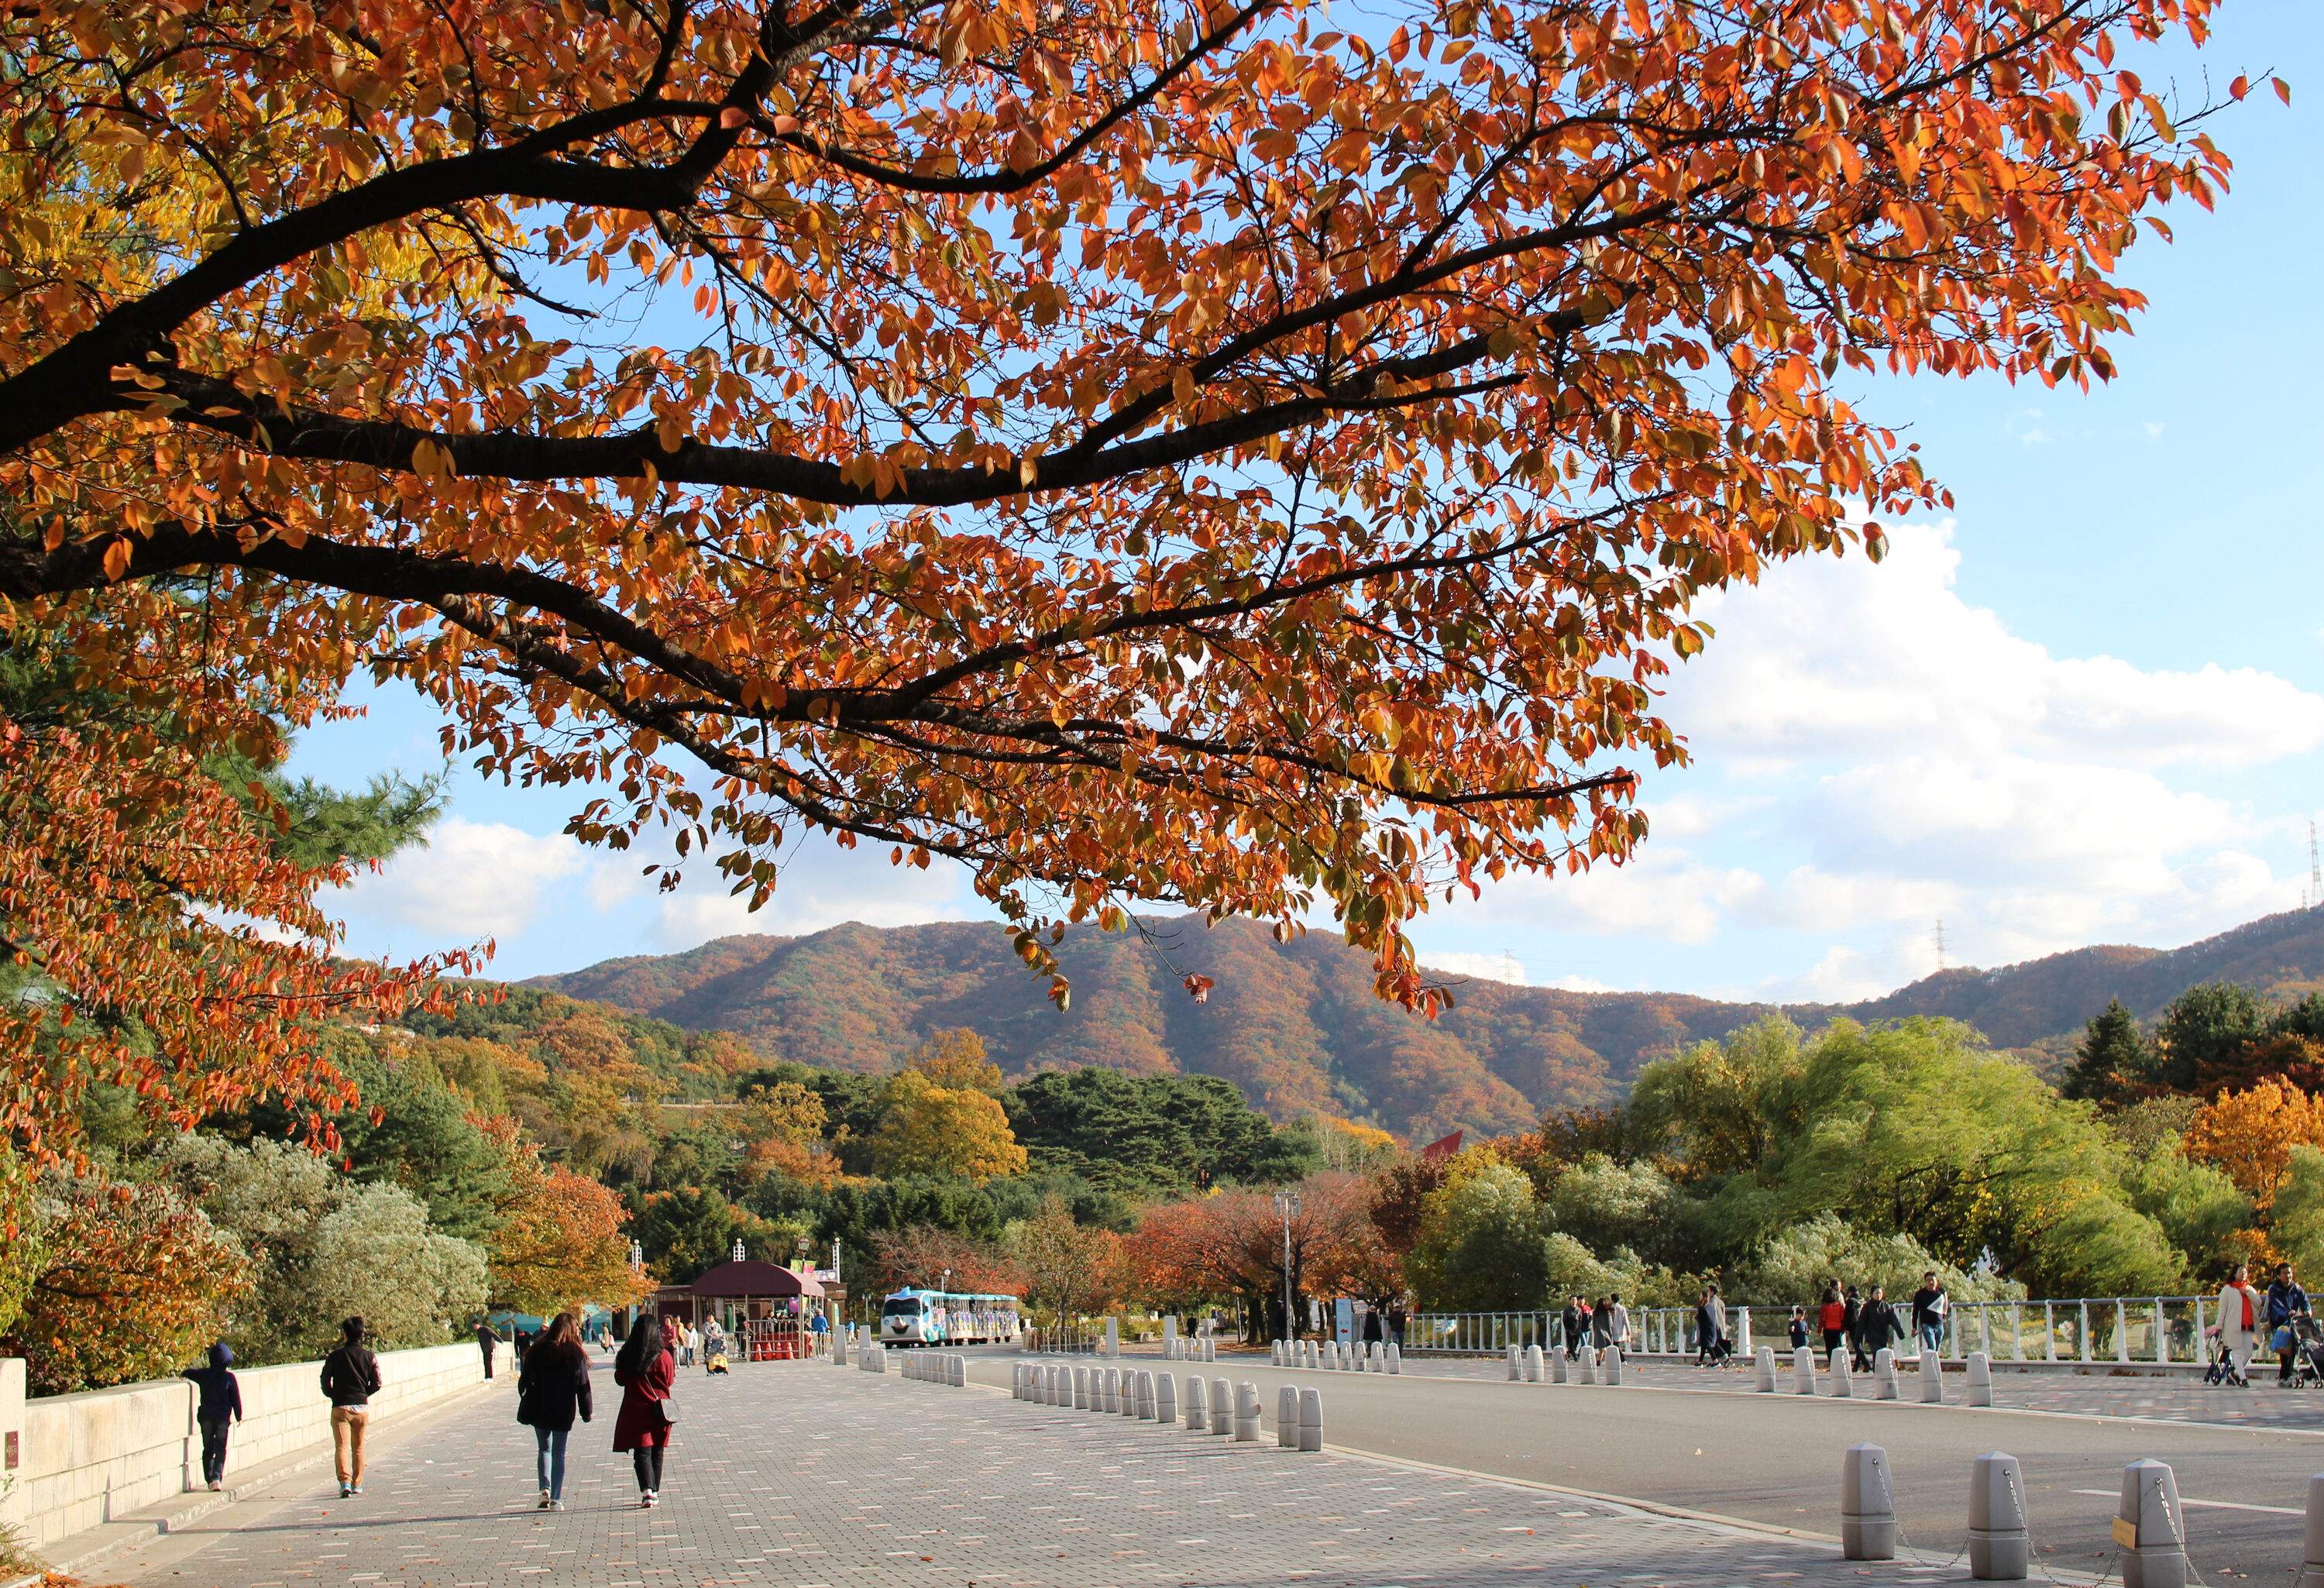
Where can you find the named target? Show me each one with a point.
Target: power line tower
(2314, 869)
(1940, 945)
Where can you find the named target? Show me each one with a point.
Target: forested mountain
(1296, 1027)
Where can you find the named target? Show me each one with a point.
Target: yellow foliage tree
(956, 1060)
(563, 1238)
(2250, 1135)
(926, 1129)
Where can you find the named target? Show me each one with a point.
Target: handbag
(666, 1409)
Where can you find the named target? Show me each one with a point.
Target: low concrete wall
(84, 1460)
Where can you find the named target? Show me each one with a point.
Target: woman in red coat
(644, 1370)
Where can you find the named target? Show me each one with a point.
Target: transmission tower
(2314, 869)
(1941, 943)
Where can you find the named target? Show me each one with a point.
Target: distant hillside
(1296, 1027)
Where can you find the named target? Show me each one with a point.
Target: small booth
(769, 1311)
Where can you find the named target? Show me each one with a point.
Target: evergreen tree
(2113, 1060)
(2205, 1027)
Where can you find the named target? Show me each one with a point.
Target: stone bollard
(1274, 1354)
(1843, 1385)
(1210, 1349)
(1246, 1414)
(1223, 1408)
(839, 1350)
(1286, 1417)
(1999, 1547)
(1764, 1369)
(1556, 1366)
(1533, 1364)
(1016, 1380)
(1868, 1505)
(1330, 1356)
(957, 1376)
(1113, 1337)
(1612, 1365)
(1198, 1406)
(1588, 1361)
(1081, 1390)
(1514, 1365)
(1978, 1380)
(1883, 1374)
(1145, 1396)
(1169, 1339)
(2147, 1526)
(1932, 1378)
(1060, 1386)
(1803, 1371)
(1395, 1358)
(1311, 1419)
(1166, 1401)
(1101, 1388)
(2311, 1555)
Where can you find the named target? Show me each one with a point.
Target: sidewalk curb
(176, 1514)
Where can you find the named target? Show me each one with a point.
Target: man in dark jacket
(1878, 1325)
(487, 1342)
(1853, 1322)
(219, 1409)
(1571, 1318)
(2286, 1300)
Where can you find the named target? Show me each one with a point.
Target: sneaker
(557, 1505)
(345, 1489)
(216, 1486)
(653, 1498)
(354, 1489)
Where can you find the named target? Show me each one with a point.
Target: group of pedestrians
(1864, 1323)
(552, 1394)
(1599, 1324)
(2248, 1317)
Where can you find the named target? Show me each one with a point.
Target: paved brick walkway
(2170, 1397)
(808, 1476)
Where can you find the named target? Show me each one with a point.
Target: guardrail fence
(2129, 1329)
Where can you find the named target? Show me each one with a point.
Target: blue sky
(2088, 707)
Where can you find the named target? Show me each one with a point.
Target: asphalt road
(1776, 1459)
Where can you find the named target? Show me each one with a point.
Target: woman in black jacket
(350, 1378)
(551, 1388)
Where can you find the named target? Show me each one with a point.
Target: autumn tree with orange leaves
(1228, 1246)
(1141, 450)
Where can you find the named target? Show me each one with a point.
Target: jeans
(647, 1463)
(213, 1433)
(552, 1459)
(1932, 1338)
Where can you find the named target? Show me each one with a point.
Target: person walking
(1601, 1325)
(2286, 1301)
(1930, 1306)
(219, 1410)
(1722, 1343)
(1831, 1317)
(1396, 1320)
(1574, 1320)
(2240, 1311)
(1617, 1323)
(1876, 1325)
(552, 1388)
(1799, 1328)
(644, 1369)
(488, 1342)
(1705, 1340)
(1371, 1327)
(350, 1379)
(1852, 1321)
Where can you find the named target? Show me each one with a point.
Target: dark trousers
(1833, 1339)
(648, 1465)
(488, 1360)
(214, 1448)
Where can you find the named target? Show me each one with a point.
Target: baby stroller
(2307, 1352)
(2222, 1370)
(715, 1363)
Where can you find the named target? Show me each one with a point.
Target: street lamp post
(1287, 1208)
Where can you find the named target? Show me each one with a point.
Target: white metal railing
(2128, 1330)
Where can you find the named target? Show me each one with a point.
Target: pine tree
(2113, 1061)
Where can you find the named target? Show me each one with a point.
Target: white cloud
(1482, 967)
(1840, 976)
(471, 879)
(821, 886)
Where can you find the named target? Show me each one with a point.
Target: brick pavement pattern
(800, 1475)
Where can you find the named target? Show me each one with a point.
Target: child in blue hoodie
(220, 1409)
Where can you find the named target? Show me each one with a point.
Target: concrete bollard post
(1803, 1371)
(1330, 1351)
(1198, 1406)
(1883, 1374)
(1246, 1414)
(1764, 1370)
(1395, 1358)
(1166, 1401)
(1843, 1385)
(1311, 1419)
(1113, 1337)
(2147, 1526)
(1611, 1369)
(1210, 1349)
(839, 1350)
(1274, 1354)
(1999, 1547)
(1145, 1396)
(1060, 1386)
(1932, 1379)
(1533, 1364)
(1169, 1339)
(1016, 1380)
(1978, 1380)
(1588, 1361)
(1223, 1408)
(1101, 1388)
(1868, 1505)
(1081, 1390)
(2311, 1554)
(1556, 1366)
(1349, 1361)
(1286, 1417)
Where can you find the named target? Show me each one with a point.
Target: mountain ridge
(1295, 1026)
